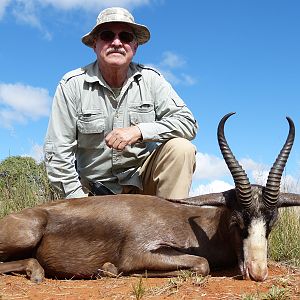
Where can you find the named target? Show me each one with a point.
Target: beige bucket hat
(117, 14)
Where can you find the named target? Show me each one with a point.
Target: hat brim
(141, 32)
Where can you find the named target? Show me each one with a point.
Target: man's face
(113, 46)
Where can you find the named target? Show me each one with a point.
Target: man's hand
(119, 138)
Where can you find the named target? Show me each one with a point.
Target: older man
(117, 126)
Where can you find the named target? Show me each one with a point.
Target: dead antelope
(88, 237)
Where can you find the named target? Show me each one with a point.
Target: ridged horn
(242, 183)
(272, 189)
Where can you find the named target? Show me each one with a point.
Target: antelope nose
(258, 271)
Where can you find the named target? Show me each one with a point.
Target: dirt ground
(283, 282)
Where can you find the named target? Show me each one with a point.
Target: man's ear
(94, 44)
(135, 47)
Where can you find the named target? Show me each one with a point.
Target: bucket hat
(117, 14)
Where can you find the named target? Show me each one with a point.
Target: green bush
(23, 183)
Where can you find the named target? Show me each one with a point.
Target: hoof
(34, 271)
(108, 270)
(36, 279)
(203, 268)
(37, 276)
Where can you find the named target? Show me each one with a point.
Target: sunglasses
(109, 36)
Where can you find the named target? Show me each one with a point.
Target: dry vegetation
(283, 283)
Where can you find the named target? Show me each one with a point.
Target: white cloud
(36, 152)
(28, 11)
(19, 103)
(290, 184)
(210, 167)
(188, 80)
(177, 78)
(91, 5)
(214, 169)
(3, 5)
(215, 186)
(250, 164)
(257, 172)
(169, 75)
(25, 12)
(172, 60)
(169, 62)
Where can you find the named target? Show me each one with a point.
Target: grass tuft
(284, 243)
(174, 283)
(139, 289)
(274, 293)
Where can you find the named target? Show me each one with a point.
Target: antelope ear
(213, 199)
(288, 199)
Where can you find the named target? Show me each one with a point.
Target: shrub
(23, 183)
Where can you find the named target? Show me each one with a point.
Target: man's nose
(116, 41)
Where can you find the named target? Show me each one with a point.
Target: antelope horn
(242, 183)
(272, 189)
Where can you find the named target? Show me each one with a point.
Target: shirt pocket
(91, 129)
(143, 113)
(49, 151)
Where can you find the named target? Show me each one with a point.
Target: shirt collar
(93, 73)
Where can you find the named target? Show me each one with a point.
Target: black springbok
(128, 234)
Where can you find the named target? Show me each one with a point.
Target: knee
(180, 147)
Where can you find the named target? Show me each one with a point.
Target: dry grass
(282, 281)
(284, 239)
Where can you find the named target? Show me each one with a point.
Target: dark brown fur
(75, 238)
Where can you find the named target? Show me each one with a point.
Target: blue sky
(220, 56)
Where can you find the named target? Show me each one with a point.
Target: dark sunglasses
(109, 36)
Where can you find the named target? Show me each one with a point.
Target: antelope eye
(237, 220)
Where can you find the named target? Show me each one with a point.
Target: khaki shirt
(85, 110)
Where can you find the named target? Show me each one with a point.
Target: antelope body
(109, 235)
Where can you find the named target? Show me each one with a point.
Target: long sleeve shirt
(85, 110)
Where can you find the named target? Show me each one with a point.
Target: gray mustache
(116, 50)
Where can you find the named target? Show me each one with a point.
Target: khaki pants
(168, 171)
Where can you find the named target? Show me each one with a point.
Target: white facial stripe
(257, 233)
(255, 250)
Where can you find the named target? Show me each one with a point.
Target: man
(117, 126)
